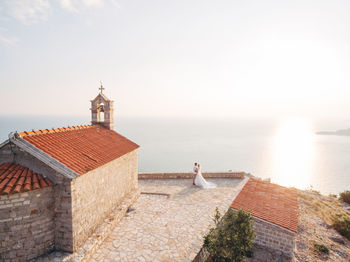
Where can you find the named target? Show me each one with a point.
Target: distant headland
(341, 132)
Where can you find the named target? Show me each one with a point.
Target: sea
(287, 151)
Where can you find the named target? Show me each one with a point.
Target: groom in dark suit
(195, 171)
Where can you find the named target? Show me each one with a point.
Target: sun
(293, 153)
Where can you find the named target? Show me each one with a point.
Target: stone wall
(274, 237)
(97, 193)
(26, 224)
(82, 204)
(61, 192)
(186, 175)
(63, 217)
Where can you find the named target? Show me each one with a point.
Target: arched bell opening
(100, 112)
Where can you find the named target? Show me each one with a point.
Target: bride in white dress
(200, 181)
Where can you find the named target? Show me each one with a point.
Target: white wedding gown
(200, 181)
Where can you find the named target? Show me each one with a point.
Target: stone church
(58, 185)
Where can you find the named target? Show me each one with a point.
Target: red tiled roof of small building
(270, 202)
(81, 148)
(15, 178)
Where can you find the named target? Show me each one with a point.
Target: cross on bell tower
(101, 88)
(102, 110)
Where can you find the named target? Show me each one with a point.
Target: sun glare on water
(293, 153)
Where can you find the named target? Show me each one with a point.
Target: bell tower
(102, 110)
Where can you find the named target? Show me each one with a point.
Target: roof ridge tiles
(54, 130)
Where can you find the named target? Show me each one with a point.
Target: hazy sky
(176, 58)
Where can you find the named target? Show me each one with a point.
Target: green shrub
(321, 248)
(345, 196)
(233, 237)
(341, 223)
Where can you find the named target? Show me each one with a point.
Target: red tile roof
(81, 148)
(15, 178)
(270, 202)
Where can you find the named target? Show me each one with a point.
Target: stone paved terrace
(167, 222)
(168, 226)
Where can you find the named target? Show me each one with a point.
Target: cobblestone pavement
(168, 221)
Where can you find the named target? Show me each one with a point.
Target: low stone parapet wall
(188, 175)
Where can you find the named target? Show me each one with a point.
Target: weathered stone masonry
(61, 193)
(274, 237)
(97, 193)
(27, 226)
(69, 211)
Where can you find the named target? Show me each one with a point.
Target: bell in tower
(102, 110)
